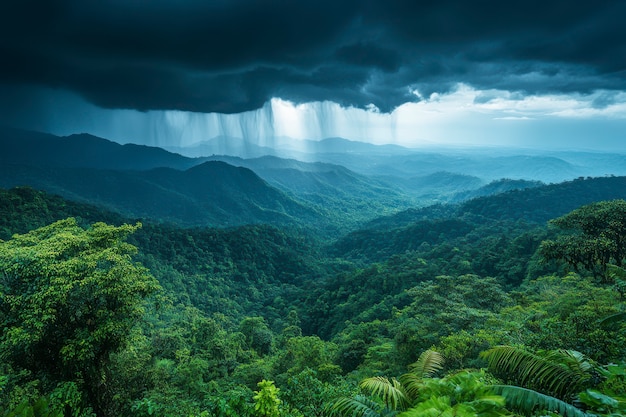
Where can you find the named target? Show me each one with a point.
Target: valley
(312, 274)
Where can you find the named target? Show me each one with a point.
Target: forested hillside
(336, 191)
(344, 185)
(472, 300)
(212, 193)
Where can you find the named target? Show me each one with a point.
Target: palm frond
(412, 385)
(428, 363)
(529, 401)
(616, 272)
(545, 374)
(359, 406)
(575, 361)
(390, 391)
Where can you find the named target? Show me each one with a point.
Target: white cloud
(513, 118)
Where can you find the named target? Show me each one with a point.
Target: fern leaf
(390, 391)
(428, 363)
(412, 385)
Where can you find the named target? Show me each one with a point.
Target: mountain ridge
(141, 181)
(375, 180)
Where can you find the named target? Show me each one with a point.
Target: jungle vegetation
(509, 305)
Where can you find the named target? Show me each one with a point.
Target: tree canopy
(88, 332)
(595, 237)
(69, 298)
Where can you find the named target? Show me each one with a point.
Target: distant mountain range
(83, 151)
(209, 194)
(140, 181)
(143, 181)
(330, 187)
(394, 161)
(338, 184)
(284, 147)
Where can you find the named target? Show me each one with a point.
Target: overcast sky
(534, 73)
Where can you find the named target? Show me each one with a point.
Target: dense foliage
(448, 310)
(597, 238)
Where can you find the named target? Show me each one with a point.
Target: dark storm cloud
(233, 55)
(369, 55)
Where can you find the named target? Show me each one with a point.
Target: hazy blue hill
(341, 146)
(484, 166)
(438, 187)
(529, 167)
(144, 181)
(595, 164)
(443, 179)
(288, 148)
(213, 193)
(83, 151)
(345, 182)
(335, 189)
(269, 162)
(223, 145)
(495, 187)
(101, 153)
(393, 160)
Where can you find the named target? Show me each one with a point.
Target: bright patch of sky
(464, 117)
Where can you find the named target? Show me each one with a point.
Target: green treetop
(596, 238)
(68, 300)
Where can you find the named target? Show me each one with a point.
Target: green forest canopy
(115, 319)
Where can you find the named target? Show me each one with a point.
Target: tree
(69, 298)
(596, 237)
(307, 394)
(266, 401)
(309, 352)
(258, 335)
(445, 306)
